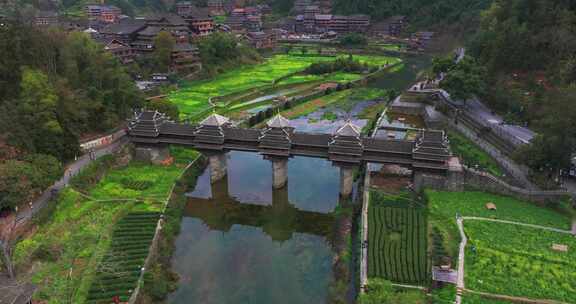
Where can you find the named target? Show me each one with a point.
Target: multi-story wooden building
(157, 23)
(185, 57)
(46, 18)
(217, 7)
(184, 8)
(121, 50)
(393, 26)
(103, 13)
(125, 31)
(261, 40)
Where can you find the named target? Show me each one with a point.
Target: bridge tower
(275, 144)
(345, 150)
(209, 139)
(148, 124)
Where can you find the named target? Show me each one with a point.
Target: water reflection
(243, 242)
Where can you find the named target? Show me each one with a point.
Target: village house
(103, 13)
(199, 20)
(261, 40)
(125, 31)
(185, 57)
(46, 18)
(157, 23)
(393, 26)
(121, 50)
(216, 7)
(184, 8)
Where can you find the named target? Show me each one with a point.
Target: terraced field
(117, 273)
(192, 99)
(397, 243)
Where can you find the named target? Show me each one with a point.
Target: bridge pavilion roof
(215, 120)
(349, 129)
(278, 121)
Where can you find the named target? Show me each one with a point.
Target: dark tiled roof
(124, 28)
(184, 47)
(170, 18)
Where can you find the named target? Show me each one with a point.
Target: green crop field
(118, 271)
(397, 241)
(66, 250)
(448, 204)
(193, 98)
(519, 261)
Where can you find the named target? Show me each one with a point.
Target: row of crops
(118, 272)
(397, 243)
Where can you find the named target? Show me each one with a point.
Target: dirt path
(460, 281)
(516, 223)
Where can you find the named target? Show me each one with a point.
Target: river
(243, 242)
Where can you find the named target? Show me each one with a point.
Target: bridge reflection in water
(279, 220)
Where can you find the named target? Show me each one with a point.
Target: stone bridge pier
(279, 171)
(346, 181)
(152, 154)
(218, 166)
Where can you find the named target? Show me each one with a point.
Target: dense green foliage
(55, 87)
(22, 180)
(348, 65)
(221, 51)
(420, 12)
(353, 39)
(397, 237)
(527, 47)
(463, 80)
(163, 46)
(472, 155)
(519, 261)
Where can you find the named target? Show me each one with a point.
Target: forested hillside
(527, 47)
(54, 88)
(420, 12)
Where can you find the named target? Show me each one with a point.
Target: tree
(353, 39)
(164, 106)
(163, 47)
(464, 80)
(442, 64)
(381, 291)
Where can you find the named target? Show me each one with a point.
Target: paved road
(71, 170)
(483, 113)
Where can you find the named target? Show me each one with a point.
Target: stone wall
(482, 181)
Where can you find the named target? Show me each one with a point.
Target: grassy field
(473, 155)
(518, 261)
(448, 204)
(476, 299)
(193, 98)
(66, 250)
(397, 238)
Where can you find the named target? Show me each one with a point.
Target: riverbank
(65, 253)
